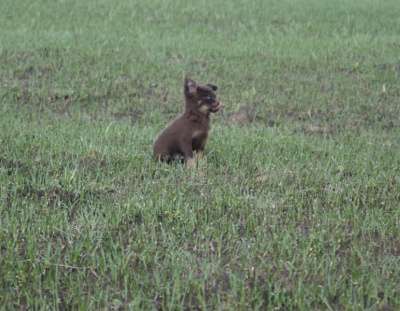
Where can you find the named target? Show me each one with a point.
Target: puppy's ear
(212, 86)
(190, 86)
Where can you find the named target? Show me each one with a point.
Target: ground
(295, 205)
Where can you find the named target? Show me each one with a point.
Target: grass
(295, 208)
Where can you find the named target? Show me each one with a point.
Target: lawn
(296, 205)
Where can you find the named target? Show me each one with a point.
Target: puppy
(188, 133)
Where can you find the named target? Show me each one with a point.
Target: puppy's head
(201, 97)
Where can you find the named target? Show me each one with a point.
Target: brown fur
(188, 133)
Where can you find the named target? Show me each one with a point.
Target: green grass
(296, 210)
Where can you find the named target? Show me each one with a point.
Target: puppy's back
(167, 142)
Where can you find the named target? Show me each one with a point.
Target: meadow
(296, 204)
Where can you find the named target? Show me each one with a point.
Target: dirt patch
(28, 72)
(61, 104)
(11, 166)
(19, 57)
(131, 114)
(389, 67)
(312, 129)
(320, 119)
(92, 160)
(245, 115)
(51, 195)
(57, 194)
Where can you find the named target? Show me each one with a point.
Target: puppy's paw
(191, 163)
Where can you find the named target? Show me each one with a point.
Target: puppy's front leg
(200, 154)
(187, 151)
(191, 162)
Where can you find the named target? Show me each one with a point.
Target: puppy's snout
(217, 105)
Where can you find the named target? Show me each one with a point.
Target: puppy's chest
(199, 134)
(199, 139)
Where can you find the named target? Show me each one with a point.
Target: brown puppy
(188, 133)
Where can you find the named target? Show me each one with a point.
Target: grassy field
(296, 206)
